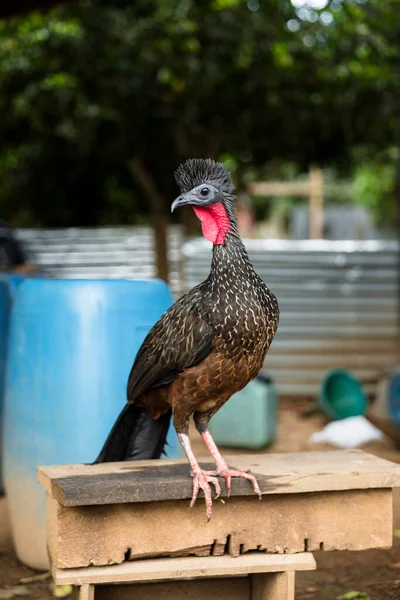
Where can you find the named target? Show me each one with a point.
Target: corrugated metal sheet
(104, 252)
(338, 301)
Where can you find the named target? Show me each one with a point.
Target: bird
(206, 347)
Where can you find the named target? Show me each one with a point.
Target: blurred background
(100, 102)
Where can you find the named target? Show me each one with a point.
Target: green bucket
(341, 395)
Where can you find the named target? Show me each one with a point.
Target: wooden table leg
(84, 592)
(273, 586)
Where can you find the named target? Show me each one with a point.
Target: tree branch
(159, 221)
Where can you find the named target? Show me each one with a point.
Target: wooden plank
(52, 528)
(279, 586)
(279, 188)
(86, 592)
(149, 481)
(234, 588)
(316, 204)
(280, 524)
(164, 569)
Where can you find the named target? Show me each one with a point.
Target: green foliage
(87, 86)
(353, 595)
(374, 186)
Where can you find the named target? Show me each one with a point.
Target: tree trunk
(160, 232)
(159, 220)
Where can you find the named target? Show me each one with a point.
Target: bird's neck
(219, 226)
(230, 260)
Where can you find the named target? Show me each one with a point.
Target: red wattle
(214, 222)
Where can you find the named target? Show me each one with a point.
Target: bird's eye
(204, 192)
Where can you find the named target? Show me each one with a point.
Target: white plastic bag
(347, 433)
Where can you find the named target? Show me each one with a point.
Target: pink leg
(223, 469)
(201, 479)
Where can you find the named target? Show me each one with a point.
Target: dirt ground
(375, 573)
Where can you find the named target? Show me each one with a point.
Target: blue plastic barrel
(5, 304)
(71, 347)
(8, 287)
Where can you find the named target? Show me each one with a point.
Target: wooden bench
(129, 524)
(253, 576)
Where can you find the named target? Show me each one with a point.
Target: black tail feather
(135, 436)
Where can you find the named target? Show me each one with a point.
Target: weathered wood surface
(284, 523)
(151, 481)
(200, 589)
(277, 586)
(84, 592)
(165, 569)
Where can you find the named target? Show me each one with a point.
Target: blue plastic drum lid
(71, 348)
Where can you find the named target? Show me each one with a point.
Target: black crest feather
(196, 171)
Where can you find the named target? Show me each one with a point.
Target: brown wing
(180, 339)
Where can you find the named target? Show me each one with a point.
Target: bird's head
(207, 186)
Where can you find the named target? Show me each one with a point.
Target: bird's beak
(184, 200)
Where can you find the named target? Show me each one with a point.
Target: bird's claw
(228, 473)
(202, 480)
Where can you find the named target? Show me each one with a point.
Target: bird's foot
(222, 468)
(202, 480)
(224, 471)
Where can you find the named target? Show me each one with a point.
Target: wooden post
(84, 592)
(313, 189)
(160, 232)
(273, 586)
(316, 204)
